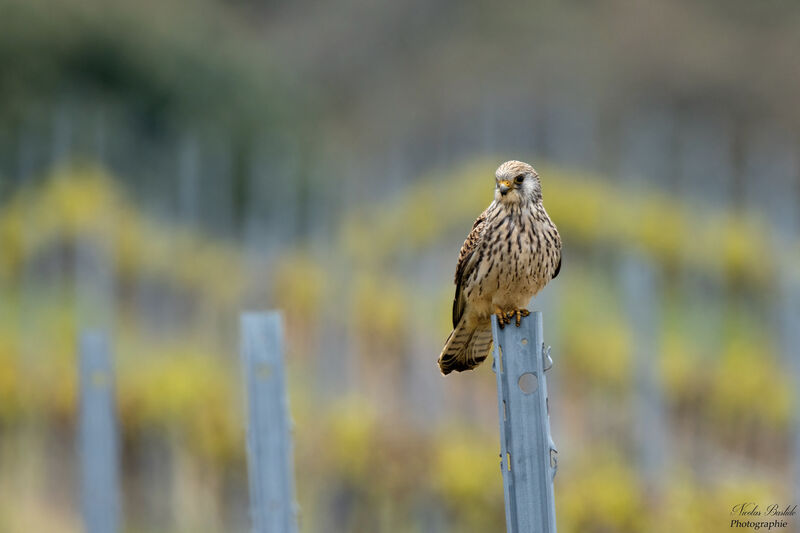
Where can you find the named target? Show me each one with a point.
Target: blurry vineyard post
(527, 452)
(639, 279)
(269, 446)
(98, 435)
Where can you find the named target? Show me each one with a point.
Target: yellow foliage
(300, 283)
(466, 470)
(187, 390)
(689, 507)
(38, 368)
(466, 475)
(598, 346)
(10, 378)
(11, 240)
(352, 429)
(686, 508)
(599, 492)
(749, 384)
(85, 204)
(417, 219)
(177, 386)
(678, 366)
(380, 307)
(75, 203)
(747, 254)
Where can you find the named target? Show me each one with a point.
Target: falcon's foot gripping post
(519, 313)
(502, 318)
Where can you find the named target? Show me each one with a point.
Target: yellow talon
(518, 313)
(502, 320)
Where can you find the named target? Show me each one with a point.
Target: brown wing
(464, 256)
(558, 251)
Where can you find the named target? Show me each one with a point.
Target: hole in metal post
(524, 341)
(508, 461)
(505, 411)
(528, 382)
(500, 357)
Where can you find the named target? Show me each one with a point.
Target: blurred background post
(99, 453)
(269, 444)
(164, 165)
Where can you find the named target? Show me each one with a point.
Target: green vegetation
(188, 66)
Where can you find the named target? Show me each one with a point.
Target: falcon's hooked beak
(504, 186)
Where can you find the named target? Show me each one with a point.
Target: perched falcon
(513, 250)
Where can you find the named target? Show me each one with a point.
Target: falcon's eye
(519, 178)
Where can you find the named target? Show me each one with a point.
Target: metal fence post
(269, 446)
(98, 435)
(527, 452)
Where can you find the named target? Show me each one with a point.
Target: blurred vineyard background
(165, 165)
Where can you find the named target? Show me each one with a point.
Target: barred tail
(466, 347)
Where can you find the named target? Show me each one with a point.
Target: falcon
(513, 250)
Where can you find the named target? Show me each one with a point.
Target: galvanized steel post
(98, 445)
(527, 452)
(269, 444)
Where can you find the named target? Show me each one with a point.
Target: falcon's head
(517, 183)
